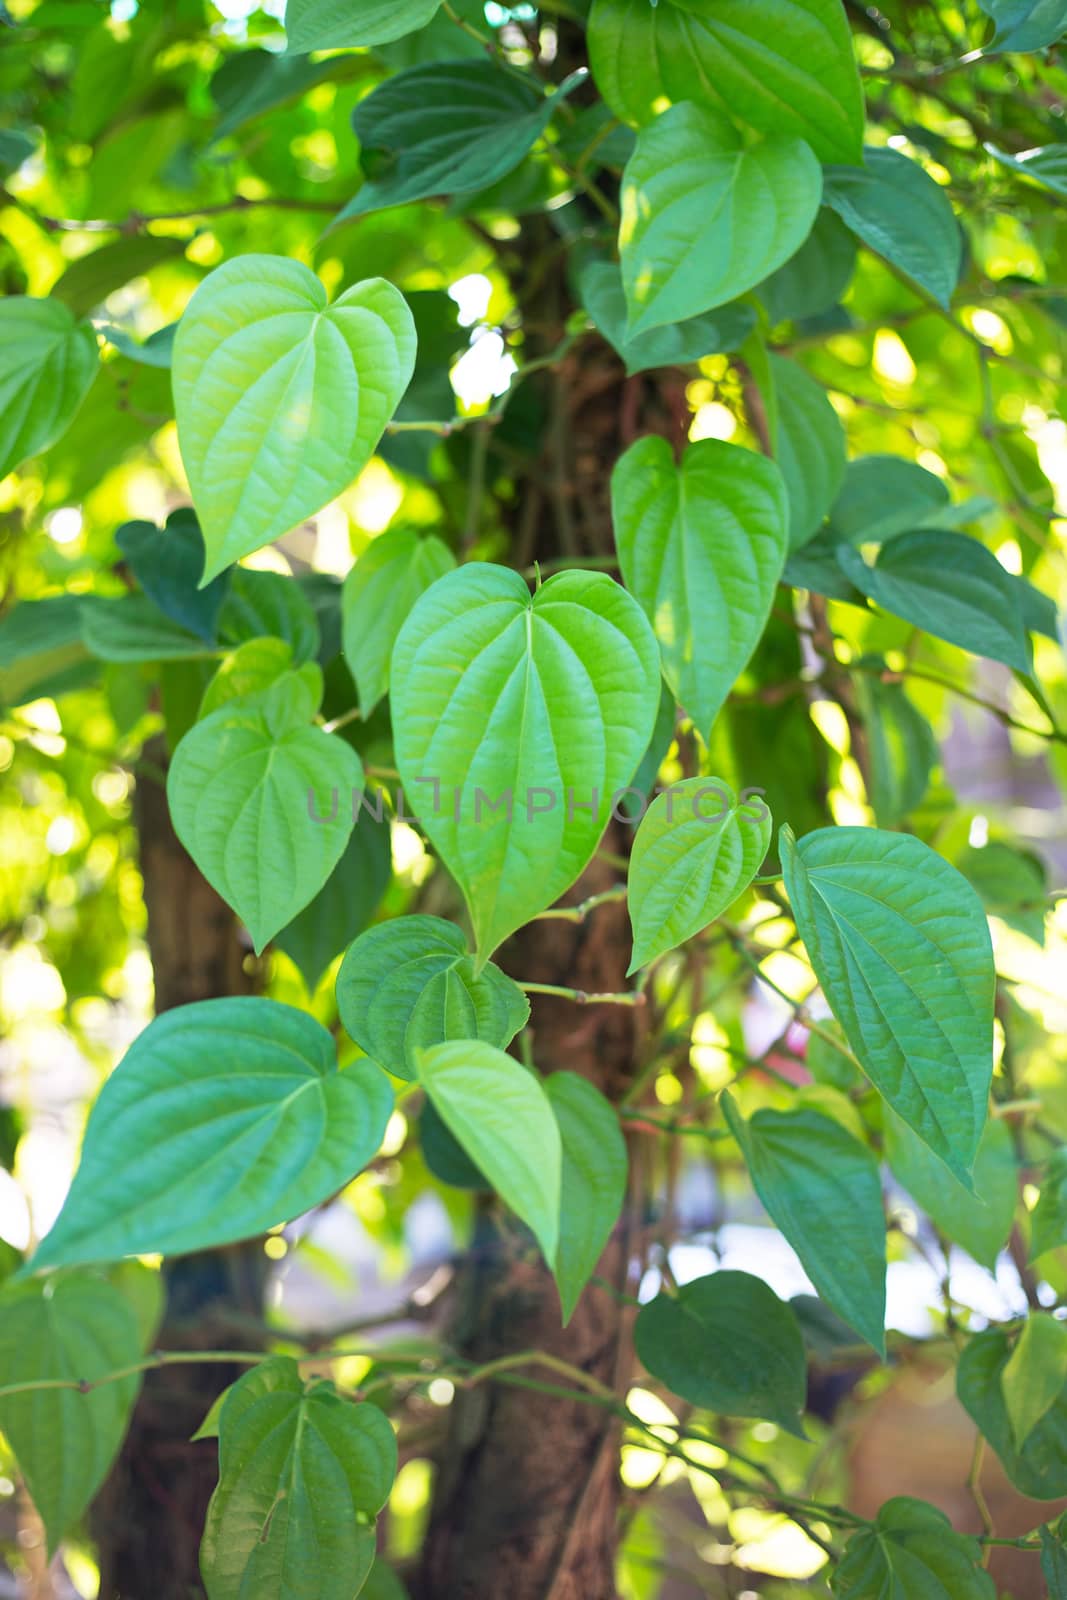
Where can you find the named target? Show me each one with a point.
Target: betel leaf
(351, 24)
(676, 343)
(167, 563)
(902, 749)
(157, 350)
(1035, 1374)
(900, 945)
(706, 216)
(131, 628)
(451, 127)
(264, 803)
(594, 1180)
(516, 719)
(410, 983)
(898, 210)
(1039, 1468)
(383, 1584)
(980, 1221)
(223, 1119)
(951, 586)
(48, 361)
(809, 447)
(251, 668)
(726, 1342)
(1012, 885)
(1025, 24)
(501, 1116)
(822, 1189)
(75, 1326)
(701, 545)
(1046, 165)
(1049, 1219)
(882, 495)
(912, 1552)
(1054, 1561)
(302, 1475)
(812, 282)
(280, 397)
(784, 66)
(344, 905)
(698, 847)
(267, 603)
(379, 592)
(42, 649)
(87, 282)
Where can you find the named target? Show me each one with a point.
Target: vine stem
(138, 221)
(579, 912)
(752, 957)
(629, 997)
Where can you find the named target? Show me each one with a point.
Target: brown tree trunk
(149, 1517)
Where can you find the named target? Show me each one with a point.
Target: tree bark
(149, 1517)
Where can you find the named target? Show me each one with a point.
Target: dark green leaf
(1039, 1469)
(809, 446)
(677, 343)
(1012, 885)
(345, 903)
(132, 628)
(726, 1342)
(912, 1553)
(266, 602)
(1049, 1220)
(882, 496)
(167, 563)
(901, 746)
(88, 281)
(979, 1221)
(813, 281)
(902, 214)
(1054, 1563)
(1026, 24)
(41, 648)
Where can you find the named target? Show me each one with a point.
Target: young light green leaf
(1039, 1468)
(1035, 1374)
(980, 1221)
(902, 214)
(252, 667)
(674, 345)
(821, 1187)
(1049, 1218)
(76, 1326)
(809, 446)
(726, 1342)
(594, 1180)
(784, 66)
(523, 717)
(951, 586)
(1024, 25)
(705, 216)
(343, 906)
(912, 1553)
(302, 1475)
(698, 847)
(167, 563)
(701, 546)
(410, 983)
(451, 127)
(47, 365)
(264, 803)
(379, 592)
(352, 24)
(900, 944)
(502, 1117)
(280, 397)
(223, 1119)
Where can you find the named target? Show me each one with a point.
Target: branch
(138, 221)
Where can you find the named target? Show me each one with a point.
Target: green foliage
(912, 1551)
(47, 366)
(378, 594)
(593, 1183)
(979, 1219)
(311, 25)
(223, 1119)
(895, 208)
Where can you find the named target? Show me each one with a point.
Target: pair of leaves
(263, 802)
(443, 129)
(726, 1342)
(822, 1189)
(785, 66)
(522, 716)
(552, 1150)
(74, 1327)
(223, 1119)
(302, 1475)
(701, 546)
(281, 398)
(48, 361)
(706, 216)
(697, 849)
(900, 945)
(912, 1552)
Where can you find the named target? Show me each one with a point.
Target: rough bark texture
(150, 1515)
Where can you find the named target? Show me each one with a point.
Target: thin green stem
(579, 912)
(630, 997)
